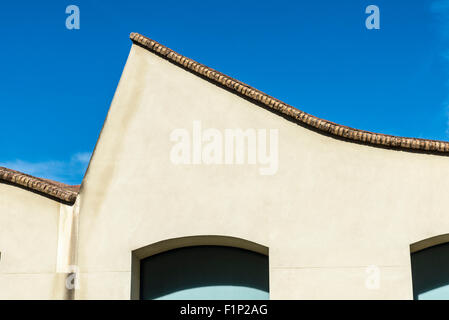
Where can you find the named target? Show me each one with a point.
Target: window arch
(203, 267)
(430, 268)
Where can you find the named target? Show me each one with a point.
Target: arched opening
(430, 268)
(205, 267)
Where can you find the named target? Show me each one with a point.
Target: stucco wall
(29, 226)
(332, 209)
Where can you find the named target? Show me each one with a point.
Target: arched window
(204, 272)
(430, 272)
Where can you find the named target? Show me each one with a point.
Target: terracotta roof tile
(52, 189)
(296, 115)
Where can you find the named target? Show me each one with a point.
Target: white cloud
(70, 171)
(82, 157)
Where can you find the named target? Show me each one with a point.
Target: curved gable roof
(293, 114)
(67, 194)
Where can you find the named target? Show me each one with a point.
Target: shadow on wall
(430, 273)
(205, 272)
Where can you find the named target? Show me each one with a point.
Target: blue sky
(56, 84)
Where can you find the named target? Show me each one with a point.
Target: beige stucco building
(338, 211)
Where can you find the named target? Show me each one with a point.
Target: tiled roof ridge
(321, 125)
(55, 190)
